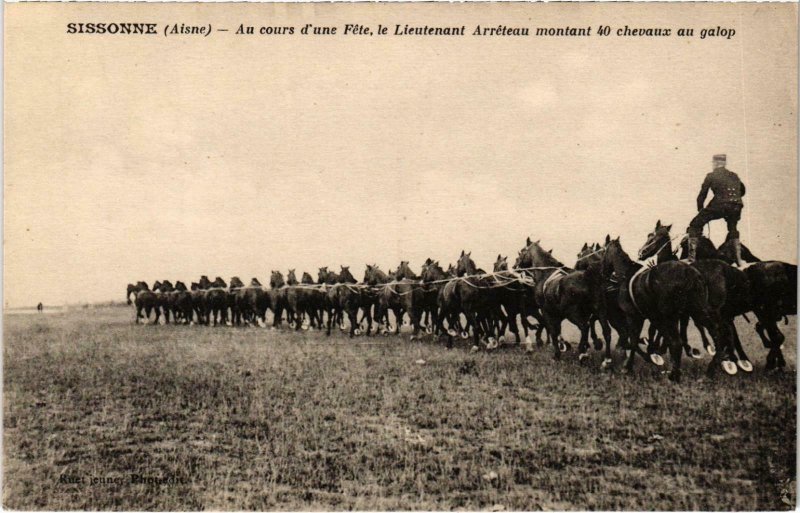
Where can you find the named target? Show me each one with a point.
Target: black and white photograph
(400, 256)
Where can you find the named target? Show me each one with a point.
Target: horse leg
(352, 316)
(398, 318)
(598, 344)
(634, 327)
(670, 331)
(741, 356)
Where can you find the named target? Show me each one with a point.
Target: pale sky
(135, 158)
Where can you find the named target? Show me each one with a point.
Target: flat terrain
(247, 418)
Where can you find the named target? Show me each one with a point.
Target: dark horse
(217, 302)
(563, 293)
(40, 307)
(469, 293)
(251, 304)
(663, 294)
(143, 299)
(344, 297)
(728, 292)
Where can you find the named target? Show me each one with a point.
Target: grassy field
(224, 418)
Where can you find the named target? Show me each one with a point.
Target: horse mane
(545, 257)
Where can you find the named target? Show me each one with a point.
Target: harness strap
(638, 273)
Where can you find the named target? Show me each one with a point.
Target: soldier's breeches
(731, 216)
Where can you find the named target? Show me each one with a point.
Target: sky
(133, 159)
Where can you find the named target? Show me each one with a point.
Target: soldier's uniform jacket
(726, 186)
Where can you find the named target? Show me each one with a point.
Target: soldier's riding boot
(692, 246)
(737, 248)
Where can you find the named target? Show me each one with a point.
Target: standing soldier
(726, 204)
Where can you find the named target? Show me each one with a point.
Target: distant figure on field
(40, 307)
(726, 204)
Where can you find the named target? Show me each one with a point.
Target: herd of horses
(605, 287)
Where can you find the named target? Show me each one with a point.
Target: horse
(773, 292)
(217, 302)
(663, 294)
(469, 293)
(198, 295)
(277, 297)
(344, 297)
(589, 257)
(513, 291)
(562, 294)
(163, 291)
(728, 292)
(143, 299)
(398, 296)
(374, 278)
(234, 287)
(40, 307)
(181, 302)
(773, 287)
(252, 303)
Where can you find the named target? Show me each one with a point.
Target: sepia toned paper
(153, 141)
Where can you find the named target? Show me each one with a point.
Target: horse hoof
(562, 346)
(491, 343)
(452, 332)
(502, 339)
(429, 329)
(657, 359)
(304, 328)
(528, 347)
(412, 338)
(385, 333)
(695, 353)
(567, 345)
(745, 365)
(583, 356)
(357, 331)
(464, 335)
(606, 363)
(528, 340)
(710, 349)
(474, 349)
(729, 367)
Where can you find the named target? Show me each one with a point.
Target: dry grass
(253, 419)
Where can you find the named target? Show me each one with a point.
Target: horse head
(345, 276)
(166, 286)
(451, 271)
(533, 255)
(307, 279)
(656, 240)
(204, 282)
(219, 283)
(179, 285)
(291, 279)
(195, 286)
(432, 272)
(322, 275)
(132, 289)
(255, 283)
(276, 280)
(236, 283)
(404, 271)
(501, 264)
(157, 286)
(614, 258)
(373, 275)
(465, 265)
